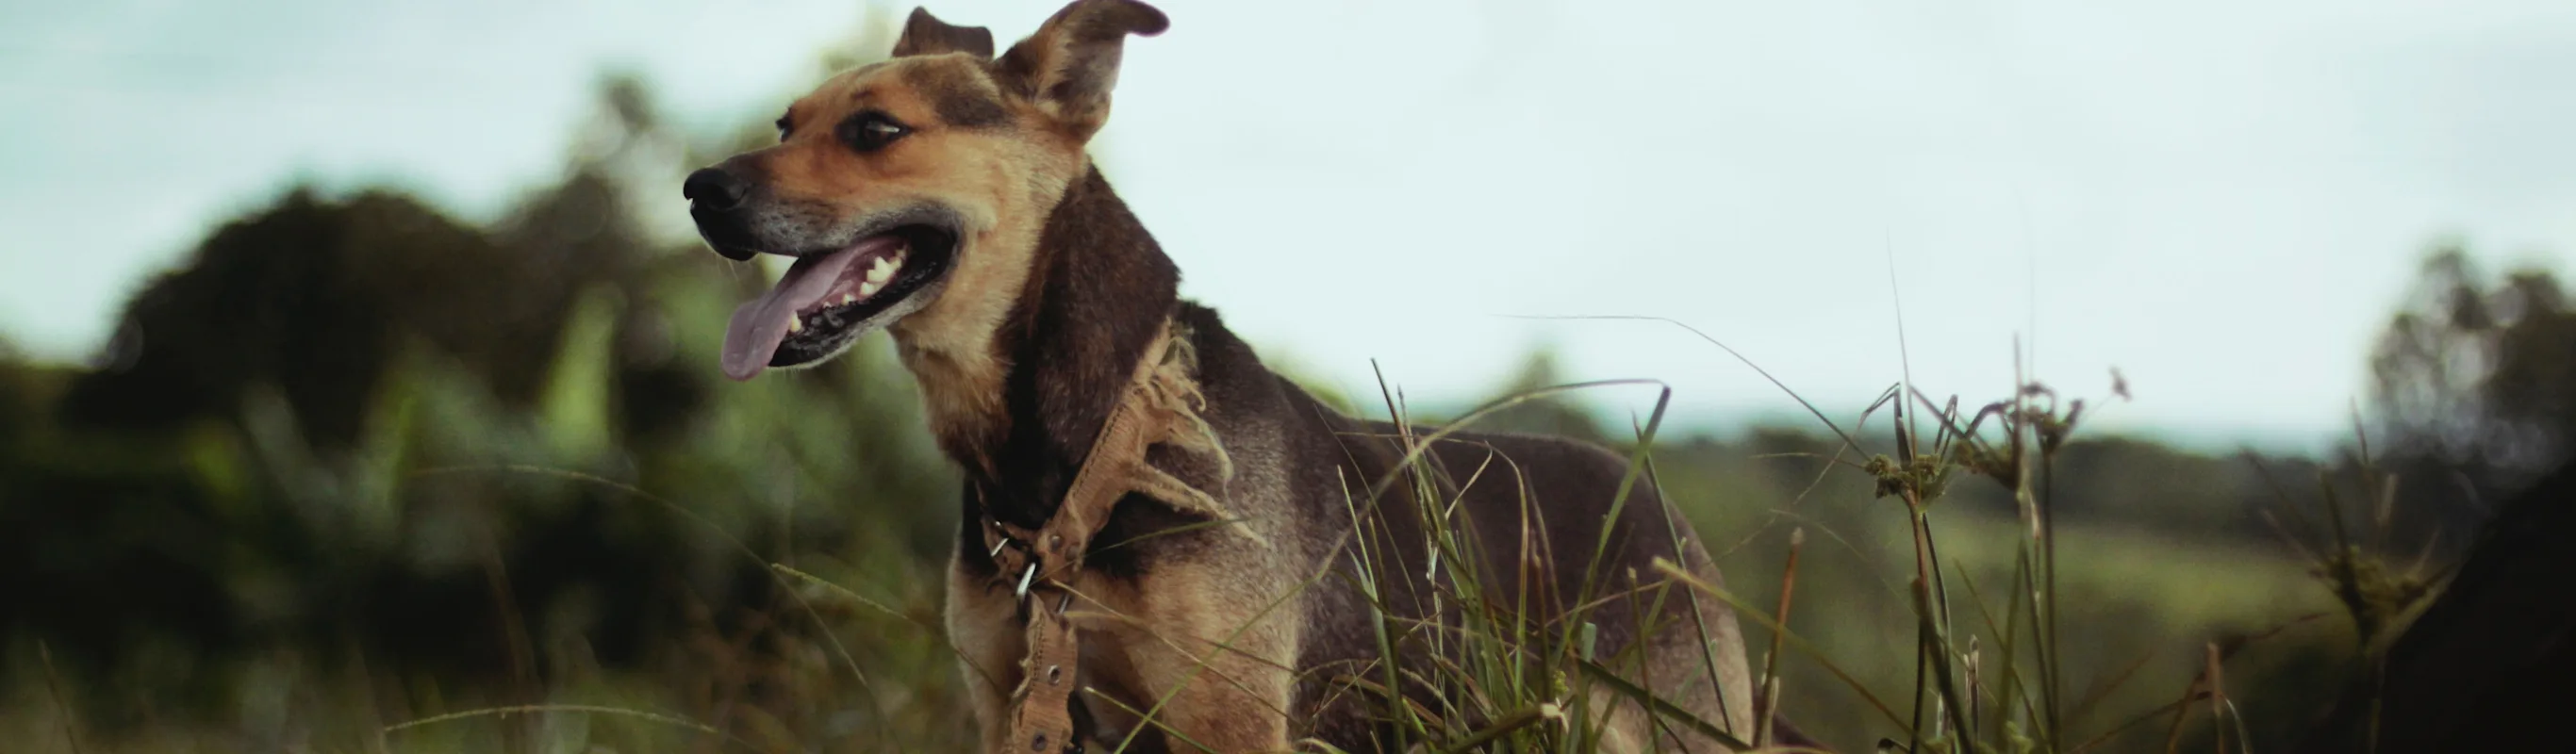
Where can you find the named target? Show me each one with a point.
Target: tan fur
(1198, 631)
(1195, 640)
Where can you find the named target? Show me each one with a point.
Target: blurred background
(357, 362)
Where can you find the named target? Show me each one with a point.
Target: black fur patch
(925, 34)
(962, 97)
(1099, 291)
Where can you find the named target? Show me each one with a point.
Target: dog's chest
(1106, 670)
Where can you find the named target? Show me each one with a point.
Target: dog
(944, 195)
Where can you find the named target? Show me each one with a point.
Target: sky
(2221, 200)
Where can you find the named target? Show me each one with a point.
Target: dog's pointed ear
(1068, 67)
(925, 34)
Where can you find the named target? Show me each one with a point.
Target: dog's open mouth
(828, 299)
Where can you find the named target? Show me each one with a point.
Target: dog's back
(1530, 509)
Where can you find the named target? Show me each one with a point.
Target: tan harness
(1161, 405)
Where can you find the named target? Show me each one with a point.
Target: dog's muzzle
(716, 200)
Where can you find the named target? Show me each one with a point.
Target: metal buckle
(1001, 536)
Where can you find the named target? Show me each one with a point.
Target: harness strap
(1036, 563)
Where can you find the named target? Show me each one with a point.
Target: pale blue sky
(2221, 199)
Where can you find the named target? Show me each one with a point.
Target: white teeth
(870, 288)
(795, 323)
(880, 271)
(849, 298)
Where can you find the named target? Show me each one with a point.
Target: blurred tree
(20, 404)
(2479, 371)
(2473, 389)
(237, 466)
(309, 297)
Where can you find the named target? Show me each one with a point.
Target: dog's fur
(1026, 343)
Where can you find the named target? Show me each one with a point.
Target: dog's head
(911, 191)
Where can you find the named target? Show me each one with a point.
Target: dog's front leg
(1223, 671)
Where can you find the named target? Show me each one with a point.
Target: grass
(2019, 698)
(1507, 681)
(2003, 634)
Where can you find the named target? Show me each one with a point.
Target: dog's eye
(870, 131)
(785, 128)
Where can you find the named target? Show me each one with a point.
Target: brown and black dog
(945, 196)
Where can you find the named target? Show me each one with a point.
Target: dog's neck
(1098, 290)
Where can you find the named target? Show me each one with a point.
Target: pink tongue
(759, 325)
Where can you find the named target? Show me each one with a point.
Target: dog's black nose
(714, 189)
